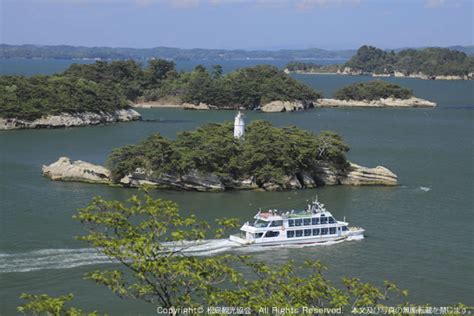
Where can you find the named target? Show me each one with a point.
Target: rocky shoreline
(175, 105)
(292, 106)
(78, 171)
(71, 120)
(396, 74)
(271, 107)
(399, 74)
(387, 102)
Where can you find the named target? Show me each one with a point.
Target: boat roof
(315, 209)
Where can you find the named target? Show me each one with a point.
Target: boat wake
(355, 237)
(46, 259)
(426, 189)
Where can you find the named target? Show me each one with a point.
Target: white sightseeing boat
(310, 226)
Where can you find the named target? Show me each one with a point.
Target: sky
(238, 24)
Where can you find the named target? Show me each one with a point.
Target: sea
(419, 234)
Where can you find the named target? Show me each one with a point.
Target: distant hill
(80, 52)
(108, 53)
(468, 50)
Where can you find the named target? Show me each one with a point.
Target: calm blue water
(419, 234)
(28, 67)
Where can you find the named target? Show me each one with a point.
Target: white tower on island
(239, 125)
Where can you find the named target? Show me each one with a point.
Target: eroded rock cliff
(79, 171)
(71, 120)
(286, 106)
(387, 102)
(66, 170)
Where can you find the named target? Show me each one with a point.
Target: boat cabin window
(307, 232)
(260, 223)
(290, 234)
(331, 220)
(332, 230)
(299, 233)
(344, 228)
(324, 219)
(258, 235)
(315, 231)
(291, 222)
(272, 233)
(324, 231)
(315, 221)
(307, 221)
(298, 222)
(276, 224)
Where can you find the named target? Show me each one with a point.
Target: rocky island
(375, 93)
(211, 159)
(429, 63)
(159, 84)
(299, 67)
(60, 101)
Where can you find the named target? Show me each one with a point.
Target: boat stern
(240, 239)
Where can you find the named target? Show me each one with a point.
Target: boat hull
(312, 241)
(351, 235)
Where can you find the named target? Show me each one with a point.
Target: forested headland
(246, 88)
(38, 96)
(427, 63)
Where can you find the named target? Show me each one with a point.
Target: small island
(428, 63)
(375, 93)
(310, 68)
(213, 158)
(59, 101)
(161, 85)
